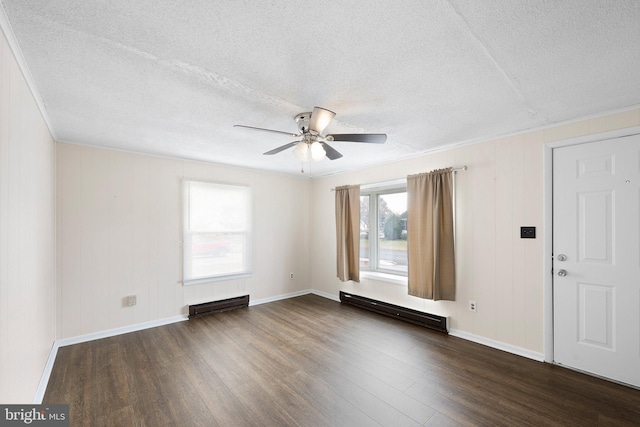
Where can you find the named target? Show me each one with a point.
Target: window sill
(212, 279)
(384, 277)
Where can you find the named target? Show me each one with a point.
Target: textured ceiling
(173, 77)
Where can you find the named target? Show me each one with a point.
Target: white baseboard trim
(519, 351)
(279, 297)
(119, 331)
(498, 345)
(46, 373)
(325, 295)
(293, 295)
(154, 323)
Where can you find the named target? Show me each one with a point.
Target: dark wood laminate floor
(309, 361)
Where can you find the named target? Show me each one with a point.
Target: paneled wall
(120, 233)
(501, 191)
(27, 236)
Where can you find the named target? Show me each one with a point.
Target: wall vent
(432, 321)
(205, 308)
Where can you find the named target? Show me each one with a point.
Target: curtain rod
(460, 169)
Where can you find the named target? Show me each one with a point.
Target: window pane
(364, 232)
(217, 254)
(392, 232)
(217, 235)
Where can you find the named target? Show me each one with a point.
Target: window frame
(374, 192)
(187, 234)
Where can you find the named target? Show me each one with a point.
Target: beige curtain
(430, 235)
(348, 232)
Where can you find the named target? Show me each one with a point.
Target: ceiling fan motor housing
(303, 120)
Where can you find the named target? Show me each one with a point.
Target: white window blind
(217, 232)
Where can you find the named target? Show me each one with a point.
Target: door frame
(547, 264)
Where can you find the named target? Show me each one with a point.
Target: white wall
(27, 236)
(119, 234)
(501, 191)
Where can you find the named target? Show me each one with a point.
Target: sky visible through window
(396, 202)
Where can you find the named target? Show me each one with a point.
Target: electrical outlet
(473, 306)
(527, 232)
(131, 300)
(291, 276)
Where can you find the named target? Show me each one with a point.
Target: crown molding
(10, 37)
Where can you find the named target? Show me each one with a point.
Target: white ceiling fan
(313, 143)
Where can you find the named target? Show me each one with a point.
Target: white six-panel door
(596, 248)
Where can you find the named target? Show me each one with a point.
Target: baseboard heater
(205, 308)
(432, 321)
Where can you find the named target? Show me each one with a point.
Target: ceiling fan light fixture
(317, 151)
(301, 151)
(320, 119)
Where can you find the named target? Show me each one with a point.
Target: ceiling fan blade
(295, 135)
(320, 118)
(331, 152)
(372, 138)
(281, 148)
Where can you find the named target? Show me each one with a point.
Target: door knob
(562, 273)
